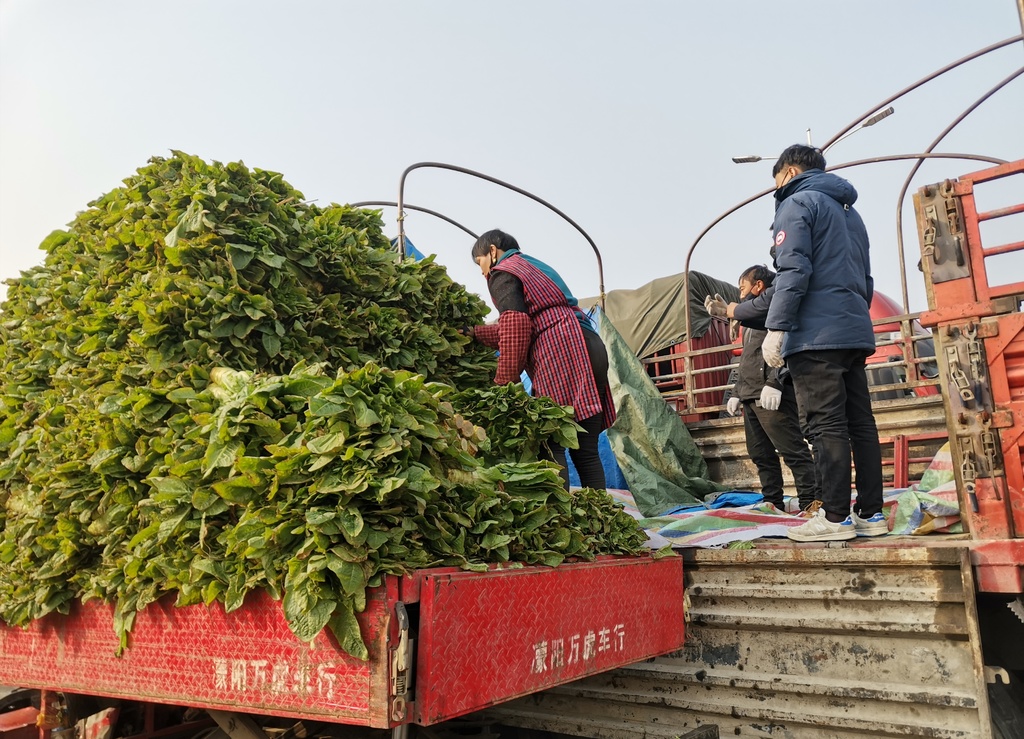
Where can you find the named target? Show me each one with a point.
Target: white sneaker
(877, 525)
(819, 528)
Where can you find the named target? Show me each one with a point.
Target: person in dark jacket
(771, 421)
(541, 330)
(819, 326)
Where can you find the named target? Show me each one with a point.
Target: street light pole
(879, 116)
(870, 121)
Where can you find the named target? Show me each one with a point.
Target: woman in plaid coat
(541, 330)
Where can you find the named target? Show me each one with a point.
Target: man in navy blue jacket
(819, 325)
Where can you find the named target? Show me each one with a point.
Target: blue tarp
(612, 473)
(410, 249)
(730, 499)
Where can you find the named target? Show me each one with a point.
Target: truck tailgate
(473, 640)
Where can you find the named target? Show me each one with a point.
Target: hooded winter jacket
(823, 287)
(752, 374)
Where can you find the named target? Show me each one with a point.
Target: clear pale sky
(623, 115)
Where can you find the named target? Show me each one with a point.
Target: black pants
(771, 433)
(832, 391)
(586, 459)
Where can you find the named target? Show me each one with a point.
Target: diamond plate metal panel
(483, 638)
(245, 660)
(488, 637)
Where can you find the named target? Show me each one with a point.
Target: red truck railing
(975, 315)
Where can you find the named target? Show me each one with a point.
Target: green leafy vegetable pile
(517, 424)
(133, 463)
(371, 472)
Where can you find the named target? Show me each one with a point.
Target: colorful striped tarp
(720, 527)
(930, 507)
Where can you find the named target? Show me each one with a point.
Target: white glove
(716, 306)
(771, 398)
(733, 406)
(771, 348)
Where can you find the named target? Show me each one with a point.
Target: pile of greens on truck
(212, 386)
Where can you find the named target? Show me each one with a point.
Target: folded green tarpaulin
(658, 457)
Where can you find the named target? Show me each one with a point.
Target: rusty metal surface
(999, 565)
(1005, 352)
(723, 446)
(798, 643)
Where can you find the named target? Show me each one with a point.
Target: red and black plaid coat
(547, 341)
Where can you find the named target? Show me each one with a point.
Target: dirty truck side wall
(798, 643)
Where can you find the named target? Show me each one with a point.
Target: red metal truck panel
(1005, 352)
(668, 372)
(539, 627)
(980, 333)
(483, 638)
(19, 724)
(998, 565)
(203, 657)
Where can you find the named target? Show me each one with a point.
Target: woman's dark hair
(497, 238)
(799, 156)
(758, 272)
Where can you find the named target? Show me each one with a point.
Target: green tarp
(658, 457)
(652, 317)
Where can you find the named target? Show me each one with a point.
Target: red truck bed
(473, 640)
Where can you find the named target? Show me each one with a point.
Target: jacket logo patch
(779, 238)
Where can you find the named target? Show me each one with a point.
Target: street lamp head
(879, 116)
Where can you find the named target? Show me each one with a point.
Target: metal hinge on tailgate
(971, 406)
(401, 666)
(942, 236)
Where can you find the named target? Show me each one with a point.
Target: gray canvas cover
(652, 317)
